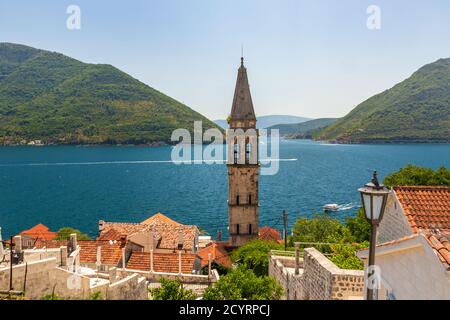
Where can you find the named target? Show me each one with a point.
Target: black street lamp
(374, 197)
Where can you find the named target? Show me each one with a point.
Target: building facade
(243, 165)
(413, 253)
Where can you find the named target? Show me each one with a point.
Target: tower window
(236, 152)
(248, 150)
(249, 199)
(237, 229)
(249, 229)
(237, 199)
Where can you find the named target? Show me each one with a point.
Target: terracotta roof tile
(166, 232)
(219, 255)
(40, 231)
(111, 253)
(162, 262)
(160, 218)
(440, 244)
(426, 208)
(269, 233)
(50, 244)
(111, 234)
(396, 241)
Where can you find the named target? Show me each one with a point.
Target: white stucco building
(413, 253)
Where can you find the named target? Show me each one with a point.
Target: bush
(172, 290)
(254, 255)
(359, 227)
(96, 296)
(51, 296)
(321, 228)
(243, 284)
(344, 256)
(64, 234)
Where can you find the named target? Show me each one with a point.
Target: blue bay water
(77, 186)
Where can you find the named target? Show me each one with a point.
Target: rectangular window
(249, 229)
(237, 229)
(237, 199)
(247, 153)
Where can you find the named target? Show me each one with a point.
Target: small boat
(330, 207)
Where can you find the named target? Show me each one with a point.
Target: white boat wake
(97, 163)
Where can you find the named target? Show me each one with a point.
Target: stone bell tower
(243, 166)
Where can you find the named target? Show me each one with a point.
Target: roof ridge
(422, 187)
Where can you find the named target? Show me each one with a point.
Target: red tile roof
(218, 255)
(160, 218)
(269, 233)
(112, 233)
(115, 230)
(167, 233)
(162, 262)
(441, 246)
(111, 253)
(40, 231)
(50, 244)
(426, 208)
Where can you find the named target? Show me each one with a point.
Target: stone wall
(132, 287)
(39, 278)
(323, 280)
(283, 270)
(42, 254)
(319, 278)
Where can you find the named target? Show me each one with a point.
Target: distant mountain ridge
(415, 110)
(303, 129)
(268, 121)
(51, 97)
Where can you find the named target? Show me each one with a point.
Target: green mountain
(303, 129)
(415, 110)
(50, 97)
(268, 121)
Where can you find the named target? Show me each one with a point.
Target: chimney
(219, 235)
(18, 244)
(73, 242)
(123, 240)
(101, 225)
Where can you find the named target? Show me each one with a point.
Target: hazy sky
(313, 58)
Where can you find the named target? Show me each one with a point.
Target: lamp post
(374, 197)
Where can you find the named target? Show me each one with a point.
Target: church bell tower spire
(243, 166)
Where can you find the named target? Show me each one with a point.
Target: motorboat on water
(331, 207)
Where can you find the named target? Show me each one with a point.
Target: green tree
(344, 256)
(418, 176)
(255, 255)
(359, 226)
(172, 290)
(243, 284)
(321, 228)
(96, 296)
(64, 234)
